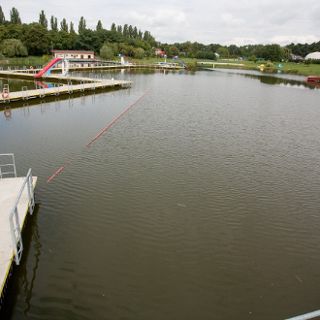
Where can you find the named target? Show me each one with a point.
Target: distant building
(74, 54)
(294, 57)
(313, 56)
(159, 52)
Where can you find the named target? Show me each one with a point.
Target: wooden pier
(16, 199)
(65, 85)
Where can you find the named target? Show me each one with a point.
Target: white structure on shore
(313, 56)
(73, 54)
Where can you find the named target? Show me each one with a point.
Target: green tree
(223, 52)
(82, 25)
(54, 23)
(15, 16)
(119, 29)
(130, 31)
(2, 17)
(72, 28)
(106, 52)
(36, 39)
(13, 48)
(125, 31)
(64, 25)
(139, 53)
(99, 25)
(113, 27)
(43, 19)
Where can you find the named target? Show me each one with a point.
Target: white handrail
(15, 227)
(307, 316)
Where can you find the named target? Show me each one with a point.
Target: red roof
(72, 51)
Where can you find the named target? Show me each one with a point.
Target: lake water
(201, 202)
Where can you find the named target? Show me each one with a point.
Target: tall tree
(125, 30)
(64, 25)
(99, 25)
(72, 27)
(82, 25)
(2, 17)
(135, 32)
(15, 16)
(130, 31)
(43, 19)
(113, 27)
(119, 29)
(54, 23)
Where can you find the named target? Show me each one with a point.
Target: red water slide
(47, 67)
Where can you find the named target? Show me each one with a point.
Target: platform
(82, 85)
(9, 191)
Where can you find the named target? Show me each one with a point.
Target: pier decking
(16, 198)
(67, 85)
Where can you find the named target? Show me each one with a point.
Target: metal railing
(310, 315)
(15, 226)
(4, 167)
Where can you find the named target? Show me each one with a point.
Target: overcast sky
(206, 21)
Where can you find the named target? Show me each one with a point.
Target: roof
(313, 56)
(72, 51)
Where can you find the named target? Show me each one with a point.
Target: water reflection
(272, 79)
(7, 113)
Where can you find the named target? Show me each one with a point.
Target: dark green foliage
(54, 23)
(36, 39)
(64, 25)
(15, 16)
(99, 25)
(42, 19)
(2, 17)
(72, 27)
(113, 27)
(304, 49)
(82, 25)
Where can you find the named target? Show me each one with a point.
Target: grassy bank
(287, 67)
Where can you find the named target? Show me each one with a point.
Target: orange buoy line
(99, 134)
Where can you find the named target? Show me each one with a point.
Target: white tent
(313, 56)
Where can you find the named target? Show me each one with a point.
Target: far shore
(301, 68)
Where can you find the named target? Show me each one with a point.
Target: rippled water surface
(201, 202)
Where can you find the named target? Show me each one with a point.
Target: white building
(74, 54)
(313, 56)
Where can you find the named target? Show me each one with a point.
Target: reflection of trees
(278, 81)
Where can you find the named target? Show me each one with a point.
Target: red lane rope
(100, 133)
(105, 129)
(56, 173)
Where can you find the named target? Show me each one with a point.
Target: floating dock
(16, 199)
(66, 85)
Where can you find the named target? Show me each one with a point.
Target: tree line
(39, 38)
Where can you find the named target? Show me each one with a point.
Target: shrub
(13, 48)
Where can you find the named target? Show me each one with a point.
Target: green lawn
(288, 67)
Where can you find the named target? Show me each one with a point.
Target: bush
(139, 53)
(106, 52)
(13, 48)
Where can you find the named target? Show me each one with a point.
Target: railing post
(14, 166)
(30, 192)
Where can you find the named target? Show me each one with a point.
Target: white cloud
(207, 21)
